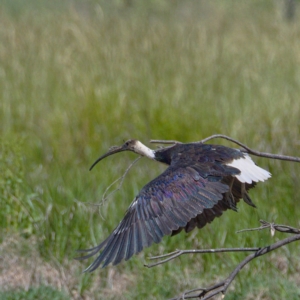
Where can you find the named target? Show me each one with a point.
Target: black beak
(112, 150)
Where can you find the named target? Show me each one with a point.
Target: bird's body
(201, 182)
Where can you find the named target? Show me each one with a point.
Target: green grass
(46, 293)
(77, 78)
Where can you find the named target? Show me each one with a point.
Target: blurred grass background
(77, 77)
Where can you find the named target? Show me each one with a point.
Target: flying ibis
(201, 182)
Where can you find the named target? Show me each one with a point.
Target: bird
(200, 183)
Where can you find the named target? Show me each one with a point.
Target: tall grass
(78, 78)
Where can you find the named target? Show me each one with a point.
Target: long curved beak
(112, 150)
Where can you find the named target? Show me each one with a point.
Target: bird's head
(130, 145)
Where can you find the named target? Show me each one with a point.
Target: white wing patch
(249, 170)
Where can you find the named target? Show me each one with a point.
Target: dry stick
(105, 195)
(249, 150)
(273, 227)
(177, 253)
(221, 287)
(165, 142)
(172, 255)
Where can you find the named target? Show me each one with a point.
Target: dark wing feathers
(163, 206)
(192, 192)
(208, 215)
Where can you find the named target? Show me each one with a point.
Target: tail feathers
(230, 200)
(249, 171)
(248, 200)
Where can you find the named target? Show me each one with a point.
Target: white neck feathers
(144, 150)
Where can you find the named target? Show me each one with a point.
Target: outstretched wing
(163, 206)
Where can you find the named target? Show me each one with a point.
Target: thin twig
(121, 181)
(248, 150)
(165, 142)
(264, 225)
(106, 195)
(272, 226)
(253, 229)
(173, 255)
(251, 151)
(279, 227)
(221, 287)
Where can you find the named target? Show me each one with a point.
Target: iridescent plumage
(200, 183)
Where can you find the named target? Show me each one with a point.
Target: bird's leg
(229, 196)
(245, 195)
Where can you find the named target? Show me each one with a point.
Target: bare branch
(172, 255)
(278, 227)
(264, 225)
(222, 286)
(251, 151)
(248, 150)
(273, 227)
(165, 142)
